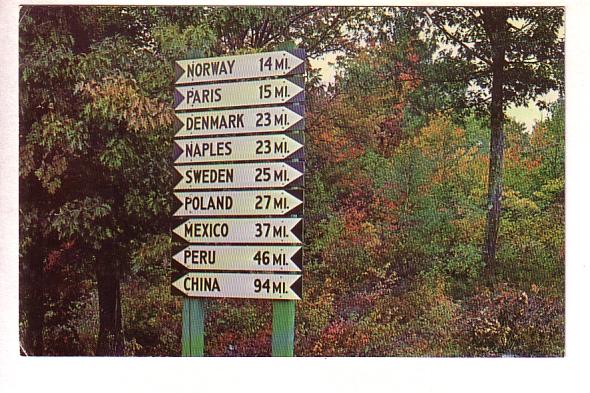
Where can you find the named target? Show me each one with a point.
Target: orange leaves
(120, 98)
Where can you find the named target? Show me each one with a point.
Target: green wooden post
(193, 310)
(283, 327)
(193, 327)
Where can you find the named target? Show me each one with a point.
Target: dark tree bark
(34, 299)
(110, 336)
(495, 24)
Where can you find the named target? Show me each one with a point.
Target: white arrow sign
(254, 258)
(240, 285)
(232, 94)
(240, 148)
(239, 203)
(241, 230)
(255, 65)
(259, 175)
(239, 121)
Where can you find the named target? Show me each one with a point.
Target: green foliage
(508, 322)
(152, 316)
(396, 177)
(175, 41)
(88, 220)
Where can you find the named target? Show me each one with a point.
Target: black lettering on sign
(262, 174)
(224, 67)
(221, 202)
(195, 96)
(215, 122)
(211, 149)
(201, 284)
(203, 176)
(199, 257)
(200, 229)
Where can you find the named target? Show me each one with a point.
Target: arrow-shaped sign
(240, 121)
(259, 175)
(240, 148)
(253, 258)
(240, 285)
(232, 94)
(255, 65)
(239, 203)
(241, 230)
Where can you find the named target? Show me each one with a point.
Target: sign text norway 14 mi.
(255, 65)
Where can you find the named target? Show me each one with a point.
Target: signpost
(256, 65)
(239, 157)
(240, 203)
(240, 258)
(246, 175)
(240, 285)
(232, 94)
(240, 121)
(239, 148)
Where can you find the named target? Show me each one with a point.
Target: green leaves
(87, 220)
(117, 100)
(175, 41)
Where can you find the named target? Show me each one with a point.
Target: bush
(509, 322)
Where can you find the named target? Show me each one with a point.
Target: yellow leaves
(120, 98)
(512, 200)
(26, 160)
(50, 171)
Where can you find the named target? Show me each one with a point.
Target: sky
(528, 114)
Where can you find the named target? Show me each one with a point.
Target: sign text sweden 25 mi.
(258, 175)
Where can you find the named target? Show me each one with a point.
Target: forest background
(397, 181)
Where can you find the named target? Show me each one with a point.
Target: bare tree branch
(456, 40)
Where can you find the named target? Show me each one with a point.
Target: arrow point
(178, 72)
(178, 123)
(297, 230)
(175, 288)
(297, 287)
(299, 53)
(178, 98)
(177, 151)
(297, 258)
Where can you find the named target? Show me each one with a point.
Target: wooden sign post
(239, 158)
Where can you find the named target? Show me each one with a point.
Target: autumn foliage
(395, 206)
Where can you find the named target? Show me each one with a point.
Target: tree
(94, 154)
(510, 56)
(95, 142)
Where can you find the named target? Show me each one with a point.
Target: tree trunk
(495, 24)
(34, 298)
(110, 336)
